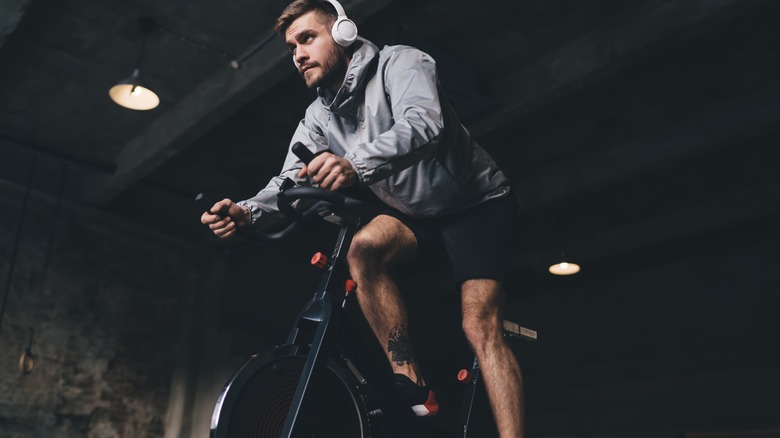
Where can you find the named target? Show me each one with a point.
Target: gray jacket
(391, 121)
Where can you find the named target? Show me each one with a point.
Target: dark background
(641, 138)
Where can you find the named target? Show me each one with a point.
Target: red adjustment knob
(319, 260)
(464, 376)
(350, 287)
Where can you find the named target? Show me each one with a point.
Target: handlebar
(329, 205)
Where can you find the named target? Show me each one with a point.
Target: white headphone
(344, 30)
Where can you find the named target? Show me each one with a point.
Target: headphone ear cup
(344, 31)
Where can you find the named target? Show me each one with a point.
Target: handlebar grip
(302, 152)
(204, 202)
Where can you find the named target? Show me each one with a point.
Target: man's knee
(482, 322)
(365, 251)
(382, 242)
(482, 331)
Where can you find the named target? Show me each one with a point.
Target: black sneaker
(422, 399)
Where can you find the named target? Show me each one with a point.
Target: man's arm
(261, 210)
(412, 87)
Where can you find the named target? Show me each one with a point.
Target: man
(381, 121)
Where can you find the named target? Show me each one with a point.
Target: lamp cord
(17, 238)
(141, 53)
(256, 48)
(235, 61)
(148, 24)
(53, 231)
(199, 44)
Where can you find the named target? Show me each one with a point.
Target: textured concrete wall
(107, 321)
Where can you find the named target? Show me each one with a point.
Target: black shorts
(477, 240)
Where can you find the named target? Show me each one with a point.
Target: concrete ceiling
(572, 96)
(629, 129)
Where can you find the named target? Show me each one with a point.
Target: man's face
(320, 61)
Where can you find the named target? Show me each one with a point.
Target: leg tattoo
(398, 344)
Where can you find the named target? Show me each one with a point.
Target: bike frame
(319, 322)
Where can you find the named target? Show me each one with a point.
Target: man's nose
(300, 56)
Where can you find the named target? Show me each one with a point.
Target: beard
(329, 73)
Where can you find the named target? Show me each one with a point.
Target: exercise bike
(317, 384)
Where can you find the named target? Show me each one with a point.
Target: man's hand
(331, 172)
(228, 216)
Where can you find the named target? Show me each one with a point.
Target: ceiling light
(564, 267)
(132, 93)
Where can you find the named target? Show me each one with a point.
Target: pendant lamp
(564, 267)
(132, 93)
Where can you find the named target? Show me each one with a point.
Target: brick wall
(106, 318)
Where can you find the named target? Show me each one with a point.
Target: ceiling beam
(209, 104)
(727, 126)
(731, 123)
(590, 58)
(9, 141)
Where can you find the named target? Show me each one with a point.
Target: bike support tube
(469, 395)
(321, 311)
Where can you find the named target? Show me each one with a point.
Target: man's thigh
(390, 235)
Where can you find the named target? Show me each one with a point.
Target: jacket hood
(364, 56)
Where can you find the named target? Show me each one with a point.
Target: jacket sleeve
(412, 89)
(262, 207)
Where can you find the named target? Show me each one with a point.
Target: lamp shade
(564, 268)
(133, 94)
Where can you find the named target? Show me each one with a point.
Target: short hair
(299, 8)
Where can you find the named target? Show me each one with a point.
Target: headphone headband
(339, 9)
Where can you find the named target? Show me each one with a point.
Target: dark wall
(677, 339)
(135, 332)
(106, 318)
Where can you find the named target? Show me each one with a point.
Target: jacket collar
(359, 70)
